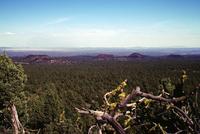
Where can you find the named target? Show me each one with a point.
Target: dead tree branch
(16, 124)
(190, 122)
(94, 126)
(136, 92)
(99, 115)
(112, 118)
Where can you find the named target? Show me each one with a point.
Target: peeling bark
(15, 121)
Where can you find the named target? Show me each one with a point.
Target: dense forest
(52, 92)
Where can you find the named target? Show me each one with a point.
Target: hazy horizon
(95, 51)
(100, 23)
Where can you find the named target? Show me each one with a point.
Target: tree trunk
(15, 120)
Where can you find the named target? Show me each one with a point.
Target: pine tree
(12, 81)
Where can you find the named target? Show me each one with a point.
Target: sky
(99, 23)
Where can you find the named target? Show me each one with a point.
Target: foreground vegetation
(53, 92)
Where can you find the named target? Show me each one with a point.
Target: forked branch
(99, 115)
(136, 92)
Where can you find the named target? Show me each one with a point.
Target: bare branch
(117, 115)
(97, 114)
(110, 117)
(136, 92)
(94, 126)
(190, 122)
(104, 116)
(105, 98)
(180, 131)
(90, 129)
(108, 94)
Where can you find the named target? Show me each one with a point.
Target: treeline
(53, 91)
(83, 85)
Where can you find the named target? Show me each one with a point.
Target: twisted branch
(136, 92)
(111, 119)
(99, 115)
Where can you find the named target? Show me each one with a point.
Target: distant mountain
(196, 56)
(41, 59)
(60, 52)
(136, 56)
(81, 58)
(37, 58)
(67, 56)
(175, 56)
(104, 57)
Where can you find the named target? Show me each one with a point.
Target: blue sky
(99, 23)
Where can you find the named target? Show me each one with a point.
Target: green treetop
(12, 79)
